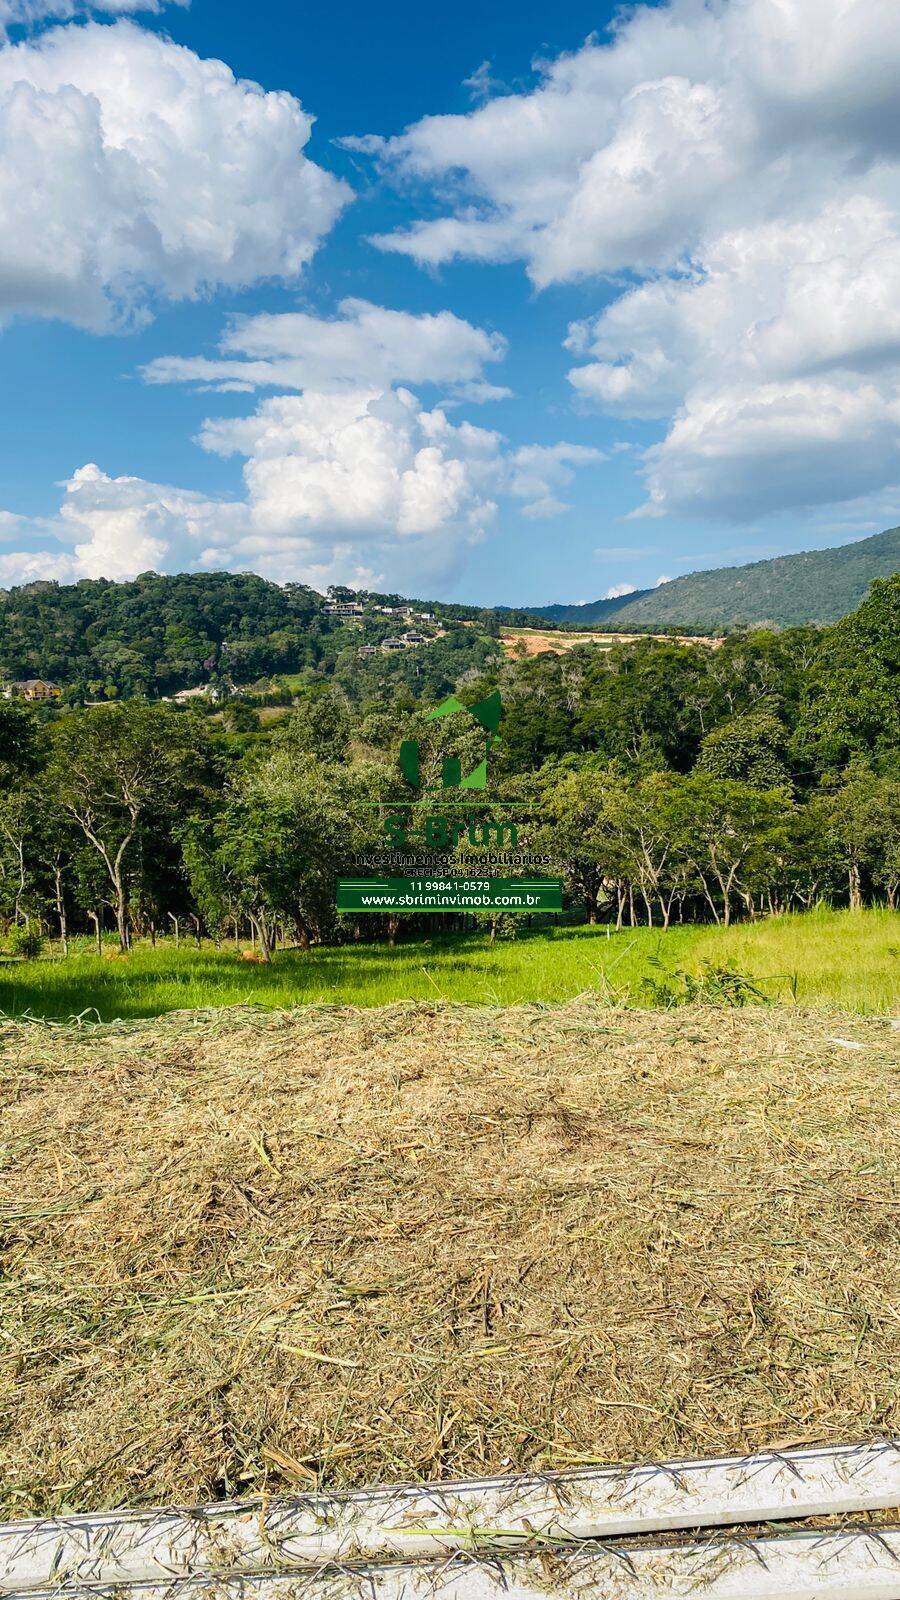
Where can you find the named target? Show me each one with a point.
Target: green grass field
(828, 958)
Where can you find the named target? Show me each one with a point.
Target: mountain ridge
(809, 586)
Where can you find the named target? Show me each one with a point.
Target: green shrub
(26, 941)
(717, 985)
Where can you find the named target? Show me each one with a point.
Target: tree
(583, 830)
(114, 765)
(750, 748)
(218, 895)
(646, 700)
(656, 826)
(238, 717)
(860, 822)
(160, 633)
(887, 874)
(851, 703)
(319, 725)
(59, 843)
(20, 817)
(19, 742)
(732, 837)
(273, 853)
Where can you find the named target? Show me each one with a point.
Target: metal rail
(814, 1566)
(490, 1517)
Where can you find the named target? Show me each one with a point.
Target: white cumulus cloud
(629, 151)
(361, 465)
(130, 168)
(780, 301)
(359, 486)
(745, 452)
(777, 361)
(537, 469)
(355, 476)
(740, 159)
(365, 345)
(121, 526)
(30, 13)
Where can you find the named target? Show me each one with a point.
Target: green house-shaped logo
(486, 713)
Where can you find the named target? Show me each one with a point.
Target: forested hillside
(813, 586)
(159, 634)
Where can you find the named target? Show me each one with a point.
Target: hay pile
(245, 1250)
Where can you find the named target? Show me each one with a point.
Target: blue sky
(548, 301)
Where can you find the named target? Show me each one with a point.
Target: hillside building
(37, 689)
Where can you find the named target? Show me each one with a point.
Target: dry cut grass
(339, 1246)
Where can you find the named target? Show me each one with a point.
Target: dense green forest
(159, 634)
(663, 780)
(787, 591)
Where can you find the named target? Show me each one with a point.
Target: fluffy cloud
(359, 466)
(354, 478)
(122, 526)
(628, 153)
(29, 13)
(537, 469)
(131, 168)
(742, 160)
(10, 526)
(778, 362)
(364, 346)
(375, 472)
(744, 452)
(116, 527)
(34, 566)
(781, 301)
(352, 486)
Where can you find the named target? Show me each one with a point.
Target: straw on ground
(520, 1237)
